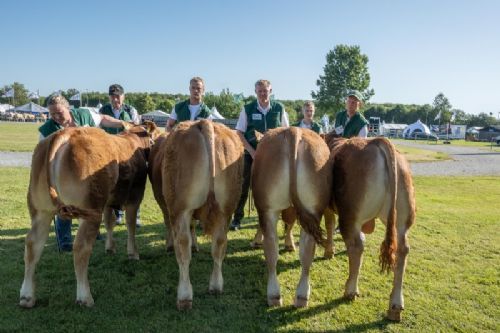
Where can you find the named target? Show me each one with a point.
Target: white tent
(416, 127)
(5, 107)
(32, 108)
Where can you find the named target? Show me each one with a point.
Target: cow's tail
(307, 220)
(63, 211)
(389, 245)
(207, 130)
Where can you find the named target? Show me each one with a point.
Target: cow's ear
(127, 126)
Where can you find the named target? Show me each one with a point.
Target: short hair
(196, 79)
(57, 99)
(308, 103)
(261, 82)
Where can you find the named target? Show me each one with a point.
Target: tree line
(346, 68)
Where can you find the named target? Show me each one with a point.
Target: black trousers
(247, 173)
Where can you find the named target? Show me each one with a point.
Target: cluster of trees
(346, 68)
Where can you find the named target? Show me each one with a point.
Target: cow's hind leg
(131, 216)
(330, 228)
(219, 244)
(109, 223)
(182, 246)
(396, 304)
(82, 249)
(306, 251)
(34, 243)
(268, 222)
(355, 246)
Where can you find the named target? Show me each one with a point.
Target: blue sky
(416, 49)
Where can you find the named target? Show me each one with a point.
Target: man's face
(263, 93)
(308, 112)
(116, 101)
(352, 104)
(60, 114)
(196, 91)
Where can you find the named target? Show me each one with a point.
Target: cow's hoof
(27, 302)
(88, 303)
(133, 256)
(351, 296)
(274, 301)
(328, 255)
(289, 248)
(255, 245)
(185, 304)
(300, 302)
(215, 291)
(394, 313)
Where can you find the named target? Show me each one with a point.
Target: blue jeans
(63, 234)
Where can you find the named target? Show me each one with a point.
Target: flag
(33, 95)
(9, 93)
(452, 117)
(438, 116)
(76, 97)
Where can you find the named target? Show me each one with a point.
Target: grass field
(18, 136)
(452, 281)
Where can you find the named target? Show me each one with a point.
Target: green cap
(356, 94)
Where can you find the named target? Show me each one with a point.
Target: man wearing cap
(350, 122)
(192, 108)
(62, 117)
(117, 109)
(260, 115)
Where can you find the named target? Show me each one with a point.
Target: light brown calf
(79, 173)
(202, 174)
(292, 167)
(372, 180)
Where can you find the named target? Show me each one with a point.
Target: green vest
(256, 121)
(124, 115)
(355, 124)
(81, 117)
(314, 126)
(183, 113)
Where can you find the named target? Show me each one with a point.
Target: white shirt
(242, 123)
(304, 125)
(133, 114)
(194, 111)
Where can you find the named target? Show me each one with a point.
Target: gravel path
(466, 161)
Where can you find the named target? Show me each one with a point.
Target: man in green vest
(350, 122)
(260, 115)
(62, 117)
(117, 109)
(192, 108)
(307, 121)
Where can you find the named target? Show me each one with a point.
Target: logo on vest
(256, 116)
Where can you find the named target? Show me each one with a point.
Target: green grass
(452, 281)
(421, 155)
(16, 136)
(459, 143)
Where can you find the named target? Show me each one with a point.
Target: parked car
(497, 140)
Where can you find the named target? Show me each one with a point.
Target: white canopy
(416, 127)
(31, 108)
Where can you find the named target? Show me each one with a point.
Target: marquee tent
(32, 108)
(416, 127)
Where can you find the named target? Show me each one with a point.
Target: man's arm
(134, 115)
(172, 119)
(363, 132)
(241, 128)
(108, 121)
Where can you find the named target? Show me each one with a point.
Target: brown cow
(372, 180)
(202, 174)
(79, 172)
(155, 163)
(289, 159)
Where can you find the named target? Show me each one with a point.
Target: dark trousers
(247, 172)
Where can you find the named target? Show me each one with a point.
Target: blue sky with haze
(416, 49)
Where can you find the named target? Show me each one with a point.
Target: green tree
(442, 108)
(346, 68)
(144, 103)
(20, 94)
